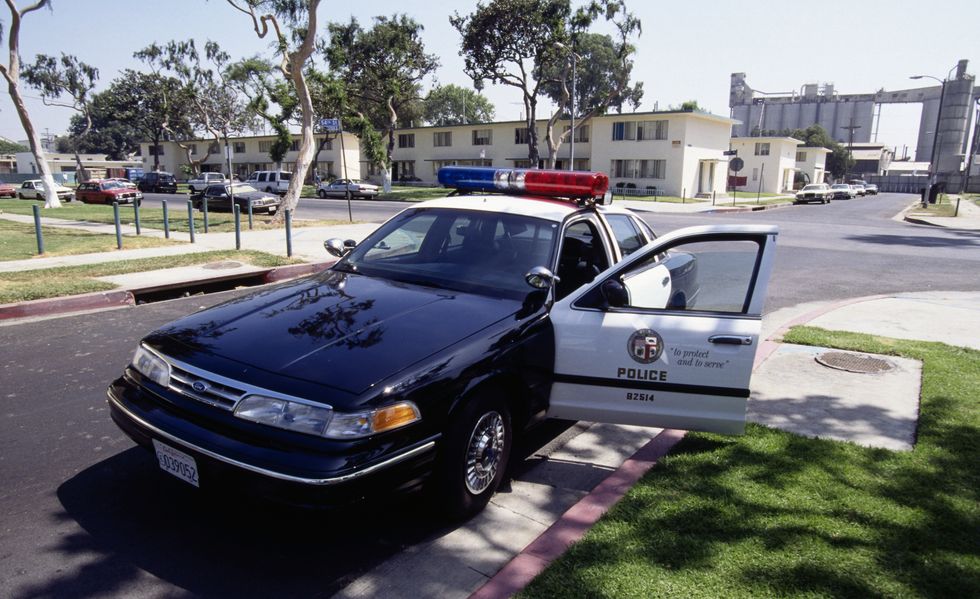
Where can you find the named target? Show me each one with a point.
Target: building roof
(625, 115)
(817, 149)
(766, 139)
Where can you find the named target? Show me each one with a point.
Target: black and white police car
(456, 325)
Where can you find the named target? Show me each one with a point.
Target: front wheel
(322, 194)
(475, 455)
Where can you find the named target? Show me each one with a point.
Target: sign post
(334, 126)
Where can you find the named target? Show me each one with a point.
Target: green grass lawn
(772, 514)
(751, 195)
(17, 241)
(152, 218)
(414, 194)
(72, 280)
(752, 201)
(942, 207)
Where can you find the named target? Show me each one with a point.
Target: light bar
(559, 184)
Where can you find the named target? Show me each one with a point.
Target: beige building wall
(60, 163)
(812, 162)
(251, 154)
(770, 161)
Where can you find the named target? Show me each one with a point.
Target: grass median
(72, 280)
(772, 514)
(18, 241)
(152, 218)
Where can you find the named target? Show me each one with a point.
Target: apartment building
(249, 154)
(812, 163)
(667, 152)
(770, 163)
(64, 166)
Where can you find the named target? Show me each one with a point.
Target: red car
(107, 192)
(7, 190)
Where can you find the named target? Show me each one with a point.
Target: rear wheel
(474, 457)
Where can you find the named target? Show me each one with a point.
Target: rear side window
(263, 176)
(627, 236)
(284, 176)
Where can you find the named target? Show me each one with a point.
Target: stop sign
(736, 164)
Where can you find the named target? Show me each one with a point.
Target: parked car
(199, 183)
(871, 189)
(270, 181)
(124, 182)
(158, 182)
(458, 324)
(106, 192)
(858, 189)
(33, 189)
(219, 198)
(842, 191)
(338, 188)
(814, 192)
(7, 190)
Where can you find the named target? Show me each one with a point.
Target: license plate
(176, 462)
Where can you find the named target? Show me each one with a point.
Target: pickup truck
(201, 182)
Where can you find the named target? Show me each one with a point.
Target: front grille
(204, 387)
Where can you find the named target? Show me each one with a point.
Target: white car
(204, 180)
(270, 181)
(814, 192)
(338, 188)
(33, 189)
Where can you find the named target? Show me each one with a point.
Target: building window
(326, 144)
(438, 164)
(442, 139)
(213, 148)
(651, 130)
(294, 146)
(325, 169)
(157, 150)
(482, 137)
(623, 130)
(755, 174)
(522, 163)
(638, 169)
(406, 140)
(761, 148)
(801, 156)
(238, 147)
(521, 136)
(265, 145)
(403, 170)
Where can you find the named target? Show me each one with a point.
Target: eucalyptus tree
(383, 68)
(292, 24)
(11, 73)
(455, 105)
(66, 82)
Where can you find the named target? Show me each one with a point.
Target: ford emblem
(200, 386)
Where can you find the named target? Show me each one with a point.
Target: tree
(9, 147)
(383, 68)
(839, 161)
(687, 106)
(70, 77)
(213, 107)
(11, 72)
(300, 17)
(512, 42)
(606, 67)
(454, 105)
(256, 78)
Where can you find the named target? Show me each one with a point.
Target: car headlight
(323, 421)
(151, 366)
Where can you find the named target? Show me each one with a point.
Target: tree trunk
(51, 196)
(530, 105)
(307, 143)
(156, 155)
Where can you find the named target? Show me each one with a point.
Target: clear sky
(687, 50)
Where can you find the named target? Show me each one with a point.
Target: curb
(119, 298)
(759, 208)
(578, 519)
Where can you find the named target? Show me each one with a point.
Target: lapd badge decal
(645, 346)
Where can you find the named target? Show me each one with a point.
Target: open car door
(667, 337)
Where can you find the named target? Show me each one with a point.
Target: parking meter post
(238, 226)
(712, 197)
(166, 219)
(289, 233)
(115, 217)
(204, 204)
(190, 219)
(956, 212)
(250, 214)
(136, 215)
(37, 229)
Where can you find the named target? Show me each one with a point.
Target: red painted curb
(576, 520)
(72, 303)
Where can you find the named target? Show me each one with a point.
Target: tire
(473, 461)
(268, 189)
(21, 196)
(322, 194)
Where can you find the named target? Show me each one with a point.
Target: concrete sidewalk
(698, 206)
(968, 218)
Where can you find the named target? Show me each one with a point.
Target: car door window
(262, 177)
(582, 257)
(628, 237)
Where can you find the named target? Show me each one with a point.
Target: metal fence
(915, 183)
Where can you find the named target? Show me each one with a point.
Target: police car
(455, 326)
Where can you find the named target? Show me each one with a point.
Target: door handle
(665, 282)
(730, 340)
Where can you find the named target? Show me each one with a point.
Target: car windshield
(465, 250)
(840, 186)
(242, 188)
(812, 187)
(111, 185)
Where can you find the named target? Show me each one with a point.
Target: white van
(270, 181)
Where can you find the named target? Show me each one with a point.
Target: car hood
(345, 331)
(255, 195)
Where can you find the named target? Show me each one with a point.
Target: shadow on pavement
(969, 239)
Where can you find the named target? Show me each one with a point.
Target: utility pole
(850, 143)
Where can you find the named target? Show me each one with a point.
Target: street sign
(736, 164)
(330, 124)
(730, 152)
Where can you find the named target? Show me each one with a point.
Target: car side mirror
(614, 293)
(336, 247)
(541, 277)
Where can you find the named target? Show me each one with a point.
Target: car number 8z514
(639, 397)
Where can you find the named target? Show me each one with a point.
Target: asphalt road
(84, 513)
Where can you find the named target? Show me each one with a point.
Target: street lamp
(939, 113)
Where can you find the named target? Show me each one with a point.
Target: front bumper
(293, 475)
